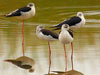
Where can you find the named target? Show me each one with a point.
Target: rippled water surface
(48, 13)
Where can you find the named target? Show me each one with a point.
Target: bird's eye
(30, 4)
(80, 14)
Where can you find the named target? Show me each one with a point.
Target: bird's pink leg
(65, 59)
(23, 37)
(49, 58)
(72, 55)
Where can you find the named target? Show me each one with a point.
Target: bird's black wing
(72, 21)
(18, 12)
(70, 33)
(24, 9)
(51, 33)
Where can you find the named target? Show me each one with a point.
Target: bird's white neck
(33, 8)
(63, 29)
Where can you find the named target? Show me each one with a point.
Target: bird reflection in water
(23, 62)
(71, 72)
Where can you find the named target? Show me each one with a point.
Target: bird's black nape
(70, 32)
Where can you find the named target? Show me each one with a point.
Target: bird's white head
(39, 28)
(30, 5)
(65, 27)
(80, 14)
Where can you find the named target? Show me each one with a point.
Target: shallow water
(48, 13)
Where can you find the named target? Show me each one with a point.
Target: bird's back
(45, 34)
(22, 13)
(72, 21)
(51, 33)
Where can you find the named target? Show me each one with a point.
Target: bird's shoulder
(46, 31)
(72, 21)
(49, 32)
(24, 9)
(75, 18)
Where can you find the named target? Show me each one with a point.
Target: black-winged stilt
(23, 62)
(74, 22)
(23, 13)
(48, 35)
(66, 37)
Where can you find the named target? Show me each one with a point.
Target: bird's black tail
(7, 15)
(56, 27)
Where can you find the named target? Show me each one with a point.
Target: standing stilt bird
(23, 13)
(74, 22)
(65, 37)
(23, 62)
(48, 35)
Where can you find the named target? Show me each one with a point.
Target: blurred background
(48, 13)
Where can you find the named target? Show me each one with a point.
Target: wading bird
(74, 22)
(47, 35)
(23, 13)
(66, 37)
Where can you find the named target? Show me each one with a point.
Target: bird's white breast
(65, 37)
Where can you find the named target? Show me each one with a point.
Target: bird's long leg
(65, 59)
(49, 57)
(23, 37)
(72, 54)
